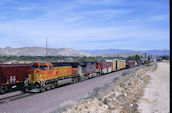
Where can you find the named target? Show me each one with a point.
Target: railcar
(122, 64)
(139, 63)
(104, 67)
(116, 65)
(12, 76)
(130, 64)
(110, 66)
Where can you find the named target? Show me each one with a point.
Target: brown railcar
(12, 76)
(106, 67)
(130, 64)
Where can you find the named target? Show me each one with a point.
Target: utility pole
(46, 52)
(117, 53)
(46, 46)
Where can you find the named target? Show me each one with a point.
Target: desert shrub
(105, 101)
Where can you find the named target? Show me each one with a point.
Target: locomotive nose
(33, 74)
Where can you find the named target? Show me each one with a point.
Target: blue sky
(85, 24)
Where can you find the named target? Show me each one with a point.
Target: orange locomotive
(44, 76)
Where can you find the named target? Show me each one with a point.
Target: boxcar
(130, 64)
(12, 76)
(139, 63)
(104, 68)
(114, 65)
(122, 64)
(117, 63)
(109, 67)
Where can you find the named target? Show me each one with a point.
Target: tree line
(70, 58)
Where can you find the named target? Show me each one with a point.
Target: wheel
(2, 91)
(86, 78)
(42, 89)
(48, 87)
(42, 86)
(25, 85)
(25, 89)
(52, 86)
(75, 80)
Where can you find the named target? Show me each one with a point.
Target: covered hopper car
(12, 76)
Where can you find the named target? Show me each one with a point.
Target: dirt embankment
(156, 97)
(120, 96)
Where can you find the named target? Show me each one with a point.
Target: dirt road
(156, 96)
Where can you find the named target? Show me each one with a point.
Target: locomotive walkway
(57, 98)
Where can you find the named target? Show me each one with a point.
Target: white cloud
(159, 18)
(33, 33)
(101, 2)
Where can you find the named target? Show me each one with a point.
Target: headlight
(29, 75)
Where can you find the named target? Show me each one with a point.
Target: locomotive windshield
(35, 66)
(43, 67)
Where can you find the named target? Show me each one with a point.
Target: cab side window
(35, 66)
(50, 67)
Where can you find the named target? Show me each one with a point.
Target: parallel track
(14, 97)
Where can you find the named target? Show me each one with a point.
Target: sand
(156, 95)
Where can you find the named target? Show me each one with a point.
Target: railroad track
(14, 97)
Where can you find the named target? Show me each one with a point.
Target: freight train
(41, 76)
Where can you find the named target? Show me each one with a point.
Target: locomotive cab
(39, 69)
(38, 75)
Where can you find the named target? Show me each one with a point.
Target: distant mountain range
(41, 51)
(122, 51)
